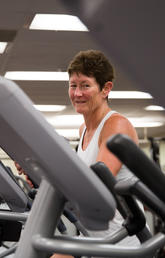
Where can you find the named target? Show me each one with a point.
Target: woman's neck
(92, 120)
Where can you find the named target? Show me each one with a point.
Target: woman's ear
(107, 88)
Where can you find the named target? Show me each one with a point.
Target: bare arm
(115, 124)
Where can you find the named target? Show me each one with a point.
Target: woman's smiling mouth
(80, 102)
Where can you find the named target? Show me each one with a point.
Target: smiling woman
(90, 82)
(84, 93)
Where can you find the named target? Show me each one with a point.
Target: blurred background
(38, 39)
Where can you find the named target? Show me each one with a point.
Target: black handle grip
(70, 216)
(137, 188)
(106, 176)
(136, 160)
(103, 172)
(149, 199)
(126, 204)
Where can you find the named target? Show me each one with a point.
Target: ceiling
(130, 32)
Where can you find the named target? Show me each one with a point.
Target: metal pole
(43, 218)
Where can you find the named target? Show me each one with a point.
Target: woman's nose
(78, 92)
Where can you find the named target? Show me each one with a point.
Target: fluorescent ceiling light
(154, 108)
(129, 95)
(57, 22)
(144, 122)
(68, 133)
(72, 121)
(2, 47)
(37, 76)
(65, 121)
(50, 108)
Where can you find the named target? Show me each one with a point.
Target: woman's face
(84, 93)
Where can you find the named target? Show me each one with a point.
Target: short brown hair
(92, 63)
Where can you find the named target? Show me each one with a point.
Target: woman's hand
(61, 256)
(19, 169)
(22, 172)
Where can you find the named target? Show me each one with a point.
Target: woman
(90, 82)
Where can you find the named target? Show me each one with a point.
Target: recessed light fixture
(129, 95)
(74, 121)
(154, 108)
(65, 121)
(144, 122)
(2, 47)
(57, 22)
(68, 133)
(50, 108)
(37, 76)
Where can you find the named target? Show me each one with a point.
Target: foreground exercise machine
(134, 158)
(11, 192)
(151, 187)
(48, 159)
(127, 205)
(14, 208)
(134, 218)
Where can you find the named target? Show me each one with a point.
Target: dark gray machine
(11, 192)
(48, 160)
(33, 143)
(27, 138)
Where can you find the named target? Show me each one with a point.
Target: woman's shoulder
(116, 118)
(118, 123)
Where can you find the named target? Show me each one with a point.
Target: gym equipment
(102, 171)
(12, 220)
(148, 171)
(11, 192)
(134, 219)
(41, 152)
(18, 204)
(48, 159)
(135, 159)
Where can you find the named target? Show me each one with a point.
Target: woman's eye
(73, 86)
(85, 86)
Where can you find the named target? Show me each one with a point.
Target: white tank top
(89, 156)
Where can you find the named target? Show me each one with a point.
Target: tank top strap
(99, 128)
(89, 155)
(82, 137)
